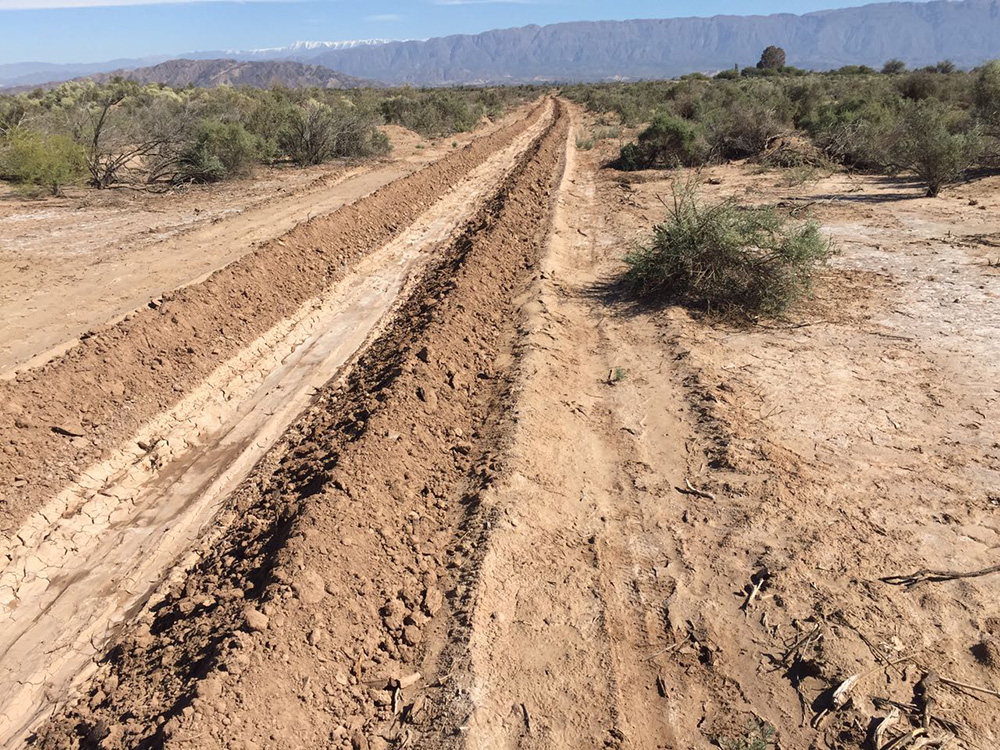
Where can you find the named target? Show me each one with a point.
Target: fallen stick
(937, 576)
(692, 491)
(966, 686)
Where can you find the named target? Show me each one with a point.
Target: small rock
(411, 635)
(310, 588)
(428, 397)
(433, 600)
(393, 614)
(257, 621)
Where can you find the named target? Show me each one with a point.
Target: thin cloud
(49, 4)
(384, 18)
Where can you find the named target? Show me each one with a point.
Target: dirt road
(413, 475)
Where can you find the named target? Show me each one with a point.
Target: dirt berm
(329, 606)
(60, 418)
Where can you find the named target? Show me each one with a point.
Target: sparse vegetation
(126, 133)
(759, 736)
(937, 122)
(726, 258)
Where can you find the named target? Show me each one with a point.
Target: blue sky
(97, 30)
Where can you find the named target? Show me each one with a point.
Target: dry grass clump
(726, 258)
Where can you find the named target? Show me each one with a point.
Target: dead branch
(927, 575)
(690, 490)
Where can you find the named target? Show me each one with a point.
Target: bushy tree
(42, 161)
(773, 58)
(668, 142)
(219, 151)
(937, 143)
(894, 67)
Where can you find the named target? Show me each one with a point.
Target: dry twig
(692, 491)
(937, 576)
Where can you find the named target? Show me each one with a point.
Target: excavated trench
(113, 547)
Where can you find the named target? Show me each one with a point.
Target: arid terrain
(379, 456)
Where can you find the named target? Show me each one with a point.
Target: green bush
(746, 128)
(937, 143)
(433, 114)
(317, 133)
(987, 96)
(219, 151)
(726, 258)
(39, 161)
(668, 142)
(759, 736)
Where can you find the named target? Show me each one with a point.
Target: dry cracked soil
(382, 460)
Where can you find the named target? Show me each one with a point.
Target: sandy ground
(519, 511)
(848, 443)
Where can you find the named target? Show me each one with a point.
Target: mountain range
(919, 33)
(256, 74)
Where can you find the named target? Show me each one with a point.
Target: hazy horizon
(87, 31)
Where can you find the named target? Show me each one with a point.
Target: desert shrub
(726, 257)
(936, 142)
(668, 142)
(894, 67)
(746, 128)
(432, 114)
(922, 84)
(986, 92)
(759, 736)
(39, 161)
(789, 152)
(317, 133)
(605, 133)
(859, 138)
(219, 151)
